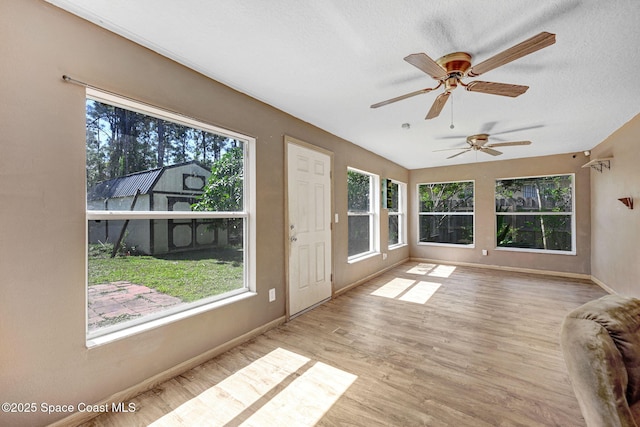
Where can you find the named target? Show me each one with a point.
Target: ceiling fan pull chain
(452, 126)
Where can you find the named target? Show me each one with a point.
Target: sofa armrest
(597, 371)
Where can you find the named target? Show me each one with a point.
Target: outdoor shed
(169, 188)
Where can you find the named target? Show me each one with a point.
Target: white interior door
(309, 228)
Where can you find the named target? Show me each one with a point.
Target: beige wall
(43, 356)
(615, 230)
(484, 174)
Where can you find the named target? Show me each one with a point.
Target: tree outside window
(361, 207)
(446, 213)
(535, 213)
(395, 196)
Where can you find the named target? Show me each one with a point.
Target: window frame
(401, 213)
(373, 213)
(572, 214)
(419, 214)
(163, 317)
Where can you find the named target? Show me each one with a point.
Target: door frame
(291, 140)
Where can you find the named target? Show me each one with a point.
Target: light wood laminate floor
(421, 345)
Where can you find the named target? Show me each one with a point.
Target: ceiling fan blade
(491, 151)
(427, 65)
(506, 144)
(462, 152)
(517, 130)
(438, 105)
(478, 142)
(449, 149)
(486, 128)
(452, 137)
(401, 97)
(524, 48)
(502, 89)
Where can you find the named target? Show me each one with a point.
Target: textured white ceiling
(327, 61)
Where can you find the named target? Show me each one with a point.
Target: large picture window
(169, 204)
(535, 213)
(446, 213)
(362, 190)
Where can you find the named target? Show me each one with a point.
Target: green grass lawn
(189, 276)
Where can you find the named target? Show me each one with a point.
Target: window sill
(96, 341)
(397, 246)
(362, 257)
(448, 245)
(536, 251)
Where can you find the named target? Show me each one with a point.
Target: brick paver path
(115, 302)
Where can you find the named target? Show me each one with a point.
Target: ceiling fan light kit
(451, 69)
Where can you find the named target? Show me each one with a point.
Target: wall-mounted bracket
(627, 201)
(599, 164)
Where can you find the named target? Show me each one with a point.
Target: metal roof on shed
(125, 185)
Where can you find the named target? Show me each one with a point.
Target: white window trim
(156, 320)
(419, 214)
(116, 332)
(401, 214)
(573, 250)
(373, 214)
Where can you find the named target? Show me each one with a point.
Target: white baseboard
(81, 417)
(505, 268)
(594, 279)
(602, 285)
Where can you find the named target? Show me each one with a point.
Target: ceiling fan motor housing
(456, 63)
(477, 141)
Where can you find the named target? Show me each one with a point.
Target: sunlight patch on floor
(393, 288)
(227, 399)
(421, 292)
(308, 397)
(415, 291)
(421, 269)
(443, 271)
(436, 270)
